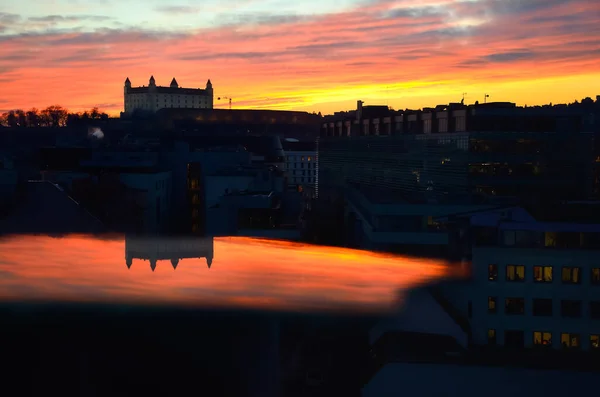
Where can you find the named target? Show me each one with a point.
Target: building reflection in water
(248, 273)
(175, 249)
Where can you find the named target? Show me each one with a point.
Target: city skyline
(314, 56)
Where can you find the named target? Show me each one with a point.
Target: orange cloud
(403, 53)
(246, 273)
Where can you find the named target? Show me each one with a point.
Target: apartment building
(534, 284)
(300, 163)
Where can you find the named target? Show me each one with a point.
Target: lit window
(542, 274)
(596, 276)
(542, 339)
(515, 273)
(492, 304)
(570, 341)
(571, 275)
(491, 336)
(595, 341)
(309, 158)
(550, 239)
(493, 272)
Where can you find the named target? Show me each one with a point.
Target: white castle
(153, 97)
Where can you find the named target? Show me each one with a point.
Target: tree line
(52, 116)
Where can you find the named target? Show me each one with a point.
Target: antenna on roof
(462, 102)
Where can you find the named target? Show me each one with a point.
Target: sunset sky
(315, 55)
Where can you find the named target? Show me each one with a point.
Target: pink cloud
(301, 61)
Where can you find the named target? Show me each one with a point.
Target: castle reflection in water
(154, 249)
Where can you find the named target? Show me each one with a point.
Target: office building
(457, 152)
(382, 167)
(300, 164)
(533, 284)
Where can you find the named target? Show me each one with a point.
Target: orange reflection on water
(245, 272)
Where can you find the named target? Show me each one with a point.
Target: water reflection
(247, 273)
(154, 249)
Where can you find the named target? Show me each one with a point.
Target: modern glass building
(417, 167)
(460, 154)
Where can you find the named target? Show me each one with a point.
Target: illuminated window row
(544, 339)
(292, 159)
(543, 274)
(543, 307)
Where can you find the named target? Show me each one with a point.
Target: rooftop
(46, 208)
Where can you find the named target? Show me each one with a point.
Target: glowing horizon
(313, 55)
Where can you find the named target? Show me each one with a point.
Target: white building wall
(301, 168)
(154, 102)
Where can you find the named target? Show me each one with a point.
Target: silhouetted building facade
(154, 249)
(457, 152)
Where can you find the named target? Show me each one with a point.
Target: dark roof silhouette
(174, 83)
(47, 209)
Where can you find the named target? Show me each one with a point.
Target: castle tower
(151, 88)
(209, 91)
(126, 89)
